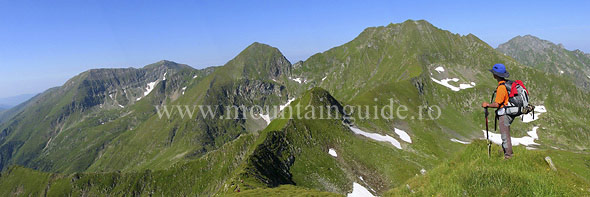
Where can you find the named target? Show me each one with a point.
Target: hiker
(504, 120)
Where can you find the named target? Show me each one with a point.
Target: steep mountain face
(82, 102)
(439, 77)
(549, 57)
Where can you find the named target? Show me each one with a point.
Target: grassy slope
(472, 173)
(284, 190)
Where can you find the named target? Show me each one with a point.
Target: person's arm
(501, 94)
(492, 105)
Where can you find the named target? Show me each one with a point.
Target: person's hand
(485, 104)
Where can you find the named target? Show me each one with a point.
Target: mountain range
(102, 132)
(549, 57)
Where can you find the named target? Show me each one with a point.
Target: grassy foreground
(284, 190)
(472, 173)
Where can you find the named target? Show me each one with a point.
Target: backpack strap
(522, 85)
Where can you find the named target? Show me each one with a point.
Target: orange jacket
(501, 94)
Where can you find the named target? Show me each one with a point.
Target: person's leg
(504, 124)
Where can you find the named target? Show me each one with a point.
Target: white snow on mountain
(298, 80)
(465, 86)
(440, 69)
(195, 76)
(377, 137)
(183, 89)
(496, 138)
(445, 82)
(121, 106)
(324, 78)
(165, 76)
(403, 135)
(459, 141)
(533, 133)
(333, 152)
(150, 87)
(281, 107)
(526, 118)
(359, 191)
(265, 118)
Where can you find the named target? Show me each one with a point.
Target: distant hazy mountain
(8, 102)
(549, 57)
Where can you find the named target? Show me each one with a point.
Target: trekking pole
(487, 132)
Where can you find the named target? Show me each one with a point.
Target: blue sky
(43, 43)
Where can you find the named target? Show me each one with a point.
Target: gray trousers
(504, 122)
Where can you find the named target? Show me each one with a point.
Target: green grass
(284, 190)
(472, 173)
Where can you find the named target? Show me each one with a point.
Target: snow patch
(111, 95)
(459, 141)
(121, 106)
(526, 118)
(298, 80)
(195, 76)
(496, 138)
(183, 89)
(333, 152)
(377, 137)
(440, 69)
(445, 82)
(150, 87)
(265, 118)
(533, 133)
(327, 77)
(465, 86)
(165, 76)
(359, 190)
(281, 107)
(403, 135)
